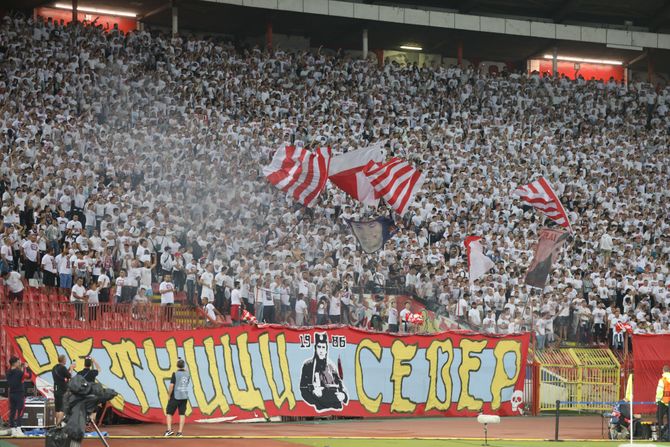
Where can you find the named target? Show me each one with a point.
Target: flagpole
(290, 230)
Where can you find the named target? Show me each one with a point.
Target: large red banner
(650, 353)
(253, 372)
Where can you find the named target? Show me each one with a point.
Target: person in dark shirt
(61, 376)
(17, 399)
(90, 371)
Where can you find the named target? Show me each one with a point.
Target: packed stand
(131, 166)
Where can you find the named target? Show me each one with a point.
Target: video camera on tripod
(81, 400)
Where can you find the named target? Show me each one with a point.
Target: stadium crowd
(134, 160)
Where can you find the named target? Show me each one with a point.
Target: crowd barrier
(49, 309)
(576, 375)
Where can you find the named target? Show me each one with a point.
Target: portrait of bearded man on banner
(320, 383)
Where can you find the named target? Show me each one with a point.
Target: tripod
(97, 430)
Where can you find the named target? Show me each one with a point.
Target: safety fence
(582, 378)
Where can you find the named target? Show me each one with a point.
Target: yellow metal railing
(578, 376)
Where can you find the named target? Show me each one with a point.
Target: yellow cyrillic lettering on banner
(219, 399)
(500, 378)
(402, 353)
(77, 350)
(370, 404)
(29, 355)
(160, 374)
(251, 398)
(446, 347)
(468, 364)
(287, 394)
(124, 357)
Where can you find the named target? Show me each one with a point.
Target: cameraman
(90, 371)
(61, 376)
(179, 384)
(17, 373)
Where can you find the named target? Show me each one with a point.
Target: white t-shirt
(190, 271)
(599, 316)
(474, 317)
(209, 310)
(133, 278)
(489, 325)
(49, 264)
(75, 226)
(120, 281)
(77, 290)
(64, 266)
(268, 300)
(335, 306)
(104, 281)
(301, 307)
(219, 279)
(393, 316)
(92, 297)
(461, 307)
(30, 249)
(235, 297)
(207, 279)
(404, 314)
(14, 283)
(284, 296)
(145, 277)
(167, 292)
(7, 253)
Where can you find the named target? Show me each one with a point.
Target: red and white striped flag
(346, 172)
(396, 181)
(542, 197)
(299, 172)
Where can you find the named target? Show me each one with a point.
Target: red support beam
(380, 57)
(459, 53)
(268, 36)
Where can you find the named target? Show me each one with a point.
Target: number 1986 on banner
(336, 341)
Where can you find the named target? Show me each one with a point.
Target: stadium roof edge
(451, 20)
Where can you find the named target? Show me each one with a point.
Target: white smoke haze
(175, 129)
(168, 136)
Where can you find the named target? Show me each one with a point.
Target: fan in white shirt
(207, 283)
(166, 289)
(301, 309)
(335, 309)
